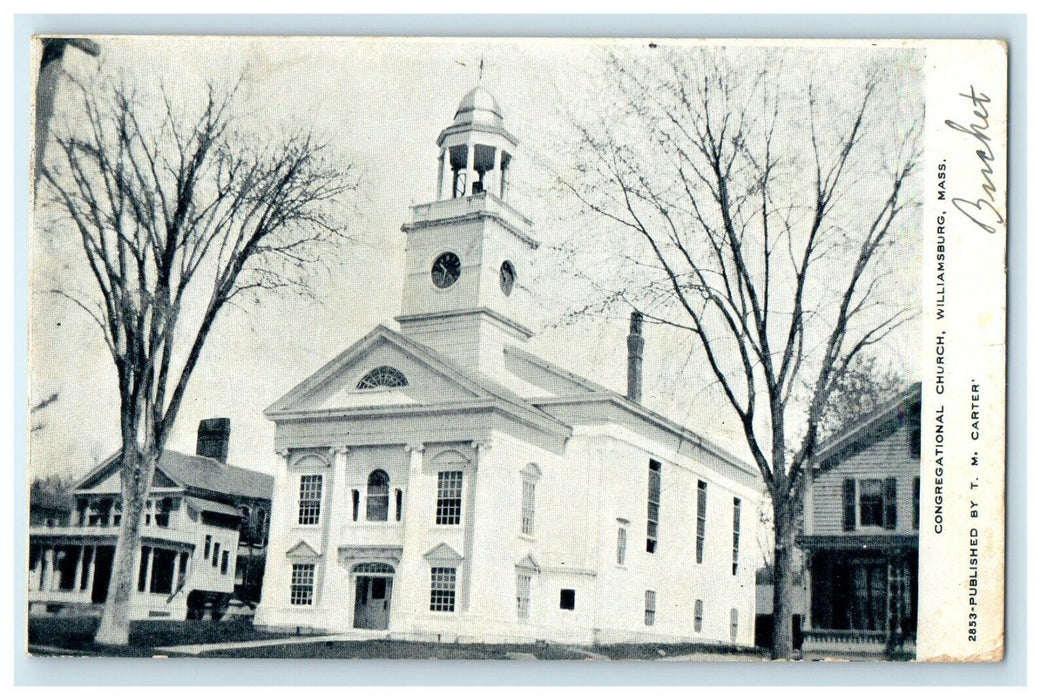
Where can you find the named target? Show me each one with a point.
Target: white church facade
(441, 482)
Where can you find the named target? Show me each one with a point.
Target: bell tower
(469, 252)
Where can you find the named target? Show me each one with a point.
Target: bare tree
(178, 215)
(754, 213)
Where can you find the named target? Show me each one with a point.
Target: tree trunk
(782, 608)
(115, 626)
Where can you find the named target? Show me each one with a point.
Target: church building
(441, 482)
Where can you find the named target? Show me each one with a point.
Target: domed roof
(479, 107)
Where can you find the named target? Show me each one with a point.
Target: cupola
(475, 150)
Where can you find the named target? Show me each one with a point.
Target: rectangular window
(527, 508)
(736, 530)
(149, 511)
(700, 521)
(734, 624)
(225, 562)
(871, 503)
(442, 588)
(302, 584)
(567, 598)
(310, 488)
(207, 546)
(654, 488)
(399, 498)
(620, 551)
(848, 504)
(355, 495)
(698, 615)
(523, 596)
(649, 608)
(118, 510)
(449, 498)
(214, 554)
(916, 502)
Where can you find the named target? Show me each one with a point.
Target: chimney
(213, 438)
(635, 354)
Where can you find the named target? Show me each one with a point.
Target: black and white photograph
(530, 349)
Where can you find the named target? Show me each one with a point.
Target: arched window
(378, 496)
(382, 377)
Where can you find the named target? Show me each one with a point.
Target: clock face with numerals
(446, 270)
(507, 277)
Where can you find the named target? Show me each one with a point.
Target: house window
(162, 580)
(207, 546)
(302, 584)
(382, 377)
(875, 504)
(355, 497)
(527, 507)
(567, 598)
(654, 488)
(916, 502)
(700, 521)
(163, 512)
(649, 608)
(442, 589)
(698, 615)
(214, 554)
(225, 562)
(735, 532)
(309, 490)
(118, 509)
(734, 625)
(523, 596)
(149, 511)
(378, 496)
(620, 551)
(399, 503)
(94, 514)
(449, 498)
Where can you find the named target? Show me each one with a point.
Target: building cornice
(470, 217)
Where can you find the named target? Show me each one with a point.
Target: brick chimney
(635, 356)
(213, 438)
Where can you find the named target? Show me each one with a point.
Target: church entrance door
(371, 611)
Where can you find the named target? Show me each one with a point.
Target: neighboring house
(49, 507)
(861, 513)
(203, 533)
(442, 482)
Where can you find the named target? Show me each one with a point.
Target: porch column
(174, 572)
(91, 568)
(79, 572)
(149, 568)
(47, 570)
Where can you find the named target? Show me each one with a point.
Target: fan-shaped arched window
(384, 376)
(378, 496)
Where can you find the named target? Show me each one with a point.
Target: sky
(380, 104)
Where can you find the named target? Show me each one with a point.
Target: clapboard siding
(888, 457)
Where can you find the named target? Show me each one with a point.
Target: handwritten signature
(983, 211)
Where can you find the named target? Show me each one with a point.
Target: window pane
(700, 521)
(735, 537)
(527, 515)
(567, 598)
(310, 490)
(442, 589)
(523, 596)
(378, 496)
(654, 488)
(302, 584)
(649, 608)
(871, 502)
(449, 498)
(620, 555)
(698, 615)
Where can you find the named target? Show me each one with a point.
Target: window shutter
(849, 504)
(889, 504)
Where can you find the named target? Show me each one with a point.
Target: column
(174, 572)
(411, 584)
(469, 518)
(149, 568)
(78, 573)
(276, 579)
(441, 167)
(47, 574)
(333, 591)
(495, 186)
(91, 569)
(471, 174)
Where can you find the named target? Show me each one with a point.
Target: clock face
(507, 277)
(446, 270)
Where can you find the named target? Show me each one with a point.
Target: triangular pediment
(528, 563)
(105, 478)
(427, 380)
(442, 554)
(302, 550)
